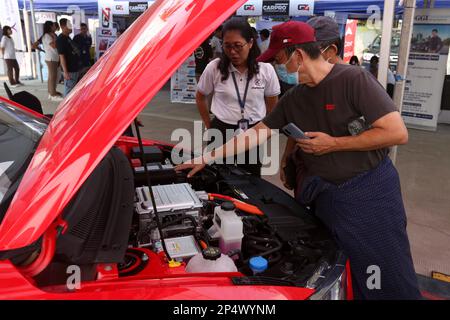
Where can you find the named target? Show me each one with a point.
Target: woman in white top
(8, 51)
(243, 89)
(51, 59)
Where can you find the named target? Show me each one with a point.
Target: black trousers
(13, 71)
(367, 219)
(390, 90)
(254, 169)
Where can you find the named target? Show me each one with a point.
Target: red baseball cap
(285, 35)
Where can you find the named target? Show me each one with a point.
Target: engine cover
(172, 201)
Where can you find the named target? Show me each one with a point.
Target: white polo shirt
(51, 54)
(8, 45)
(225, 104)
(264, 45)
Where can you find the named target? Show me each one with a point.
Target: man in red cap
(279, 57)
(329, 39)
(350, 122)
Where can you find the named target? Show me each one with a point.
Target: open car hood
(95, 114)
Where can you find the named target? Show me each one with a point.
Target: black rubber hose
(258, 248)
(261, 239)
(278, 257)
(269, 252)
(251, 218)
(234, 253)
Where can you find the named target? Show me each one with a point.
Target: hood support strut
(48, 248)
(152, 196)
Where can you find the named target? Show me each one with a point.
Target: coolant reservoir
(228, 227)
(211, 260)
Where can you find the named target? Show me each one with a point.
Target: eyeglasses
(236, 47)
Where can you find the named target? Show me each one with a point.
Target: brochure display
(427, 68)
(183, 84)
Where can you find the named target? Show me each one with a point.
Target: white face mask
(285, 76)
(305, 78)
(292, 72)
(287, 62)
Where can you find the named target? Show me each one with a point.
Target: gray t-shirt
(346, 94)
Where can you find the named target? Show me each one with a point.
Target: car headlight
(329, 282)
(337, 290)
(367, 56)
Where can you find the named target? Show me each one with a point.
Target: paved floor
(424, 166)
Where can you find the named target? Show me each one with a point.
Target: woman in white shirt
(8, 51)
(51, 59)
(243, 89)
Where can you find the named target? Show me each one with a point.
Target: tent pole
(403, 57)
(386, 35)
(35, 35)
(28, 40)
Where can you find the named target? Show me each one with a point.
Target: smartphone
(291, 130)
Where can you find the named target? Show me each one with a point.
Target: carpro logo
(276, 8)
(303, 7)
(106, 32)
(119, 7)
(138, 7)
(421, 18)
(249, 7)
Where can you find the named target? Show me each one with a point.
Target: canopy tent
(347, 6)
(89, 6)
(361, 6)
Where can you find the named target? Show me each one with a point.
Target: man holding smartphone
(331, 46)
(349, 176)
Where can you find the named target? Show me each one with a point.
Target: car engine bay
(222, 221)
(224, 207)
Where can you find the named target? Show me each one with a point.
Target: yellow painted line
(440, 276)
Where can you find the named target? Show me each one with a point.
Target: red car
(76, 219)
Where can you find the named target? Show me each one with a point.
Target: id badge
(243, 124)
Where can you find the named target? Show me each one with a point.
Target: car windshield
(395, 43)
(20, 133)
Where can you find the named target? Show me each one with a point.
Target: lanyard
(241, 101)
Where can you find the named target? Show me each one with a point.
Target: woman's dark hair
(265, 33)
(63, 22)
(312, 49)
(48, 26)
(242, 26)
(255, 41)
(374, 60)
(373, 67)
(5, 31)
(354, 60)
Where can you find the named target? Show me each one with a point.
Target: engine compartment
(274, 225)
(112, 225)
